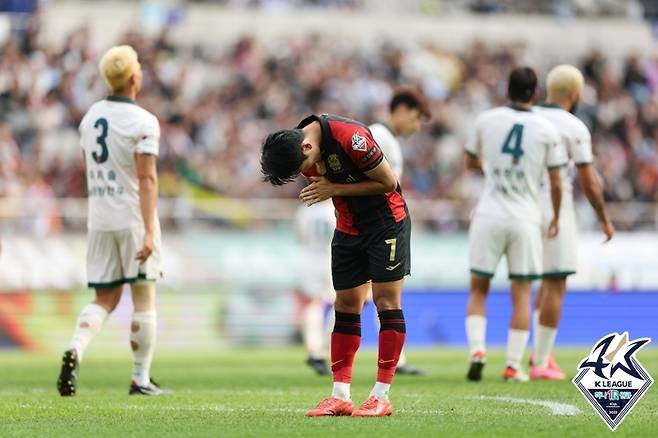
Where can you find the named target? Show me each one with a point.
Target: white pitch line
(556, 408)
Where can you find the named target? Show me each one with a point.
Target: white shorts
(315, 278)
(111, 258)
(521, 243)
(560, 253)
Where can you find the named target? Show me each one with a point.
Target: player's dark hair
(412, 99)
(522, 84)
(281, 156)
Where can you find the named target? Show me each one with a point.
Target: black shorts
(381, 256)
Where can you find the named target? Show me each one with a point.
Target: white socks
(380, 390)
(89, 323)
(341, 391)
(476, 328)
(313, 329)
(516, 343)
(544, 341)
(142, 342)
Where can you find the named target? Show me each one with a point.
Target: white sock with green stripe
(89, 323)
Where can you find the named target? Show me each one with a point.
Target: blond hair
(117, 66)
(564, 80)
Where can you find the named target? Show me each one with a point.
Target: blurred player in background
(371, 242)
(564, 85)
(315, 227)
(513, 146)
(120, 142)
(407, 110)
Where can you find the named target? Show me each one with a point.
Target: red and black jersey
(348, 152)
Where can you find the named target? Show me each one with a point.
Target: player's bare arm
(382, 180)
(147, 176)
(555, 181)
(589, 182)
(472, 162)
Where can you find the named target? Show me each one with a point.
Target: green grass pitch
(262, 393)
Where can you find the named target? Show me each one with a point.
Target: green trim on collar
(548, 105)
(518, 108)
(123, 99)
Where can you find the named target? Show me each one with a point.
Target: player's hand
(608, 229)
(553, 228)
(320, 189)
(147, 249)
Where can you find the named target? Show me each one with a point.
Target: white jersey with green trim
(577, 141)
(315, 227)
(111, 133)
(390, 146)
(516, 146)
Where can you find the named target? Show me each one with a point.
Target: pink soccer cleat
(332, 407)
(548, 373)
(374, 407)
(552, 364)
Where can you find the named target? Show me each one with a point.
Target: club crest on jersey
(359, 143)
(334, 163)
(612, 379)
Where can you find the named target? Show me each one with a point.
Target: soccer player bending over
(564, 85)
(513, 146)
(120, 142)
(371, 242)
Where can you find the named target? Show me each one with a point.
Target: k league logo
(612, 379)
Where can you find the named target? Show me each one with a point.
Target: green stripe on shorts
(116, 283)
(557, 274)
(482, 273)
(525, 276)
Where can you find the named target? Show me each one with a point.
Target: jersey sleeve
(81, 128)
(474, 143)
(556, 150)
(363, 150)
(148, 141)
(390, 147)
(580, 147)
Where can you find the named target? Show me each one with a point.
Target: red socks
(346, 338)
(391, 340)
(345, 341)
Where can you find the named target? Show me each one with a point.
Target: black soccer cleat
(151, 389)
(319, 366)
(475, 369)
(68, 375)
(409, 370)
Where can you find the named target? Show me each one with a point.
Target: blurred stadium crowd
(215, 106)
